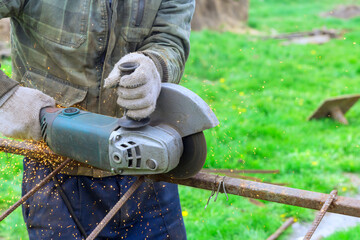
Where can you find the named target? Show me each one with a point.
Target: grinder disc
(193, 157)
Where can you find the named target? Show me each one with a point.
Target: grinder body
(157, 148)
(99, 141)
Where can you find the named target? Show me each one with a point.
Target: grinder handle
(46, 110)
(47, 116)
(42, 112)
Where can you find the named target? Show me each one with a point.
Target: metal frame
(269, 192)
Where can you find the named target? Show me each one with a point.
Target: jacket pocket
(65, 93)
(133, 34)
(137, 19)
(140, 13)
(65, 24)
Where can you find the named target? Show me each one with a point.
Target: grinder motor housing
(157, 148)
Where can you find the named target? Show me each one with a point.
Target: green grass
(262, 92)
(13, 227)
(350, 234)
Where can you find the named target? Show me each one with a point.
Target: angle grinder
(171, 143)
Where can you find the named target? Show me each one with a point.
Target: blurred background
(264, 66)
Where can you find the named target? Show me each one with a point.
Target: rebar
(116, 208)
(282, 228)
(34, 190)
(242, 171)
(250, 189)
(273, 193)
(321, 214)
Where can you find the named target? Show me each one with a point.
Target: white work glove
(20, 114)
(138, 91)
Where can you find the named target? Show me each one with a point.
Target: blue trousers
(153, 211)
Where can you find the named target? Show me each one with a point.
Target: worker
(64, 53)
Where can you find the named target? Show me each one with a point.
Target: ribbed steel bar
(240, 187)
(282, 228)
(116, 208)
(29, 149)
(242, 171)
(34, 190)
(320, 215)
(269, 192)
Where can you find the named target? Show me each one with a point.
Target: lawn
(262, 93)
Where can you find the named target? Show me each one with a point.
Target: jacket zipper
(140, 13)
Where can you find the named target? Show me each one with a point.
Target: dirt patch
(221, 15)
(5, 38)
(331, 222)
(345, 12)
(5, 30)
(317, 36)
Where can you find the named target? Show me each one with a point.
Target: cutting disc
(193, 157)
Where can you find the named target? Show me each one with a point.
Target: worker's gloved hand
(138, 91)
(20, 114)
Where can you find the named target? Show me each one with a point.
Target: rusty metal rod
(116, 208)
(273, 193)
(235, 175)
(31, 149)
(321, 214)
(240, 187)
(241, 171)
(34, 190)
(282, 228)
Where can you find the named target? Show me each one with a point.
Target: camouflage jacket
(67, 48)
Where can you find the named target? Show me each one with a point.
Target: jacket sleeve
(168, 44)
(10, 8)
(7, 87)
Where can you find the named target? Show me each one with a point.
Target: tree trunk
(5, 30)
(220, 15)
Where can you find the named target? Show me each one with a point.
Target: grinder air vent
(133, 154)
(43, 129)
